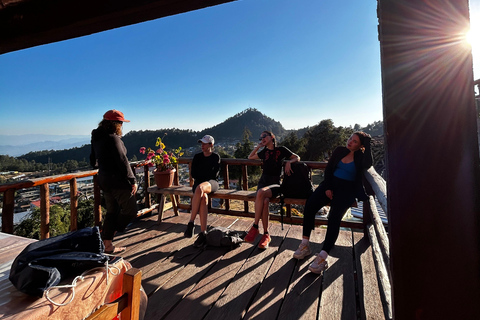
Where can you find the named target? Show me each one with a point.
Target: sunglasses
(264, 136)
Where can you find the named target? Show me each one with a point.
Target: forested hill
(229, 131)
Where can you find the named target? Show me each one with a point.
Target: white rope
(108, 269)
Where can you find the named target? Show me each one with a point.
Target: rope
(108, 269)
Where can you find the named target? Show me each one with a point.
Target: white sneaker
(302, 251)
(318, 265)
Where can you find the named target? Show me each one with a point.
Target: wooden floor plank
(369, 294)
(235, 300)
(184, 282)
(338, 294)
(269, 298)
(181, 284)
(200, 299)
(302, 299)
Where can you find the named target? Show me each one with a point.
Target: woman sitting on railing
(342, 184)
(269, 184)
(115, 176)
(205, 169)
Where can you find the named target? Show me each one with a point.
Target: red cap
(114, 115)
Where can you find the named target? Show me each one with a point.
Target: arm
(253, 155)
(288, 165)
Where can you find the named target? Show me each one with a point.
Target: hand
(288, 168)
(134, 189)
(329, 194)
(260, 144)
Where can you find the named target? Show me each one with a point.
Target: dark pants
(343, 197)
(121, 210)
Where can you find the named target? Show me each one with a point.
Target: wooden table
(90, 293)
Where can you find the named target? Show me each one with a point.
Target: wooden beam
(432, 159)
(28, 23)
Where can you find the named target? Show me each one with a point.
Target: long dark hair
(112, 126)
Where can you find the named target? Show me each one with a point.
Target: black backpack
(45, 263)
(298, 184)
(224, 237)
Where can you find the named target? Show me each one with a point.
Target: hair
(362, 135)
(270, 133)
(112, 126)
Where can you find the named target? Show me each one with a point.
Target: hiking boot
(302, 251)
(264, 241)
(318, 265)
(189, 232)
(252, 234)
(201, 240)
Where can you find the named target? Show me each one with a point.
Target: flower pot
(164, 179)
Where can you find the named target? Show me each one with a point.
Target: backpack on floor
(224, 237)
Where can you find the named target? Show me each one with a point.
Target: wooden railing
(9, 190)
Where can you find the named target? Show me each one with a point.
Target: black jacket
(362, 160)
(109, 155)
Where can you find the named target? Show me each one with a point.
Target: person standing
(205, 170)
(269, 183)
(115, 177)
(342, 184)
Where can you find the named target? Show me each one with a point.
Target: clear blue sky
(297, 61)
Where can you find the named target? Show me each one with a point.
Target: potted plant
(164, 162)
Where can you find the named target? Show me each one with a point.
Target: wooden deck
(184, 282)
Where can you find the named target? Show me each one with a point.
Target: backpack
(43, 264)
(224, 237)
(298, 184)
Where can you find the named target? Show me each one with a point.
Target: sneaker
(302, 251)
(264, 241)
(318, 265)
(201, 240)
(252, 234)
(189, 232)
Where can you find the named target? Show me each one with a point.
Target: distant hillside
(16, 145)
(229, 131)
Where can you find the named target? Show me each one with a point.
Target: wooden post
(146, 185)
(245, 184)
(8, 210)
(97, 196)
(73, 204)
(226, 184)
(432, 159)
(44, 211)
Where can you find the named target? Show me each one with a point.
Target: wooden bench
(231, 194)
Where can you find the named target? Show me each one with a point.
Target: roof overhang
(29, 23)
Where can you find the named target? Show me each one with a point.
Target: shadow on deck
(183, 282)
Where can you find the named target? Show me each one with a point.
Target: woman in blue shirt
(342, 184)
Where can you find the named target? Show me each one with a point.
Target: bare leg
(200, 202)
(265, 214)
(261, 206)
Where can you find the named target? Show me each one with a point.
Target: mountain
(22, 144)
(229, 131)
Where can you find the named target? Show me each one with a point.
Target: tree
(323, 138)
(242, 151)
(294, 144)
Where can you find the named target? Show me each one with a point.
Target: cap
(114, 115)
(207, 139)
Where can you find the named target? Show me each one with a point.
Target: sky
(296, 61)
